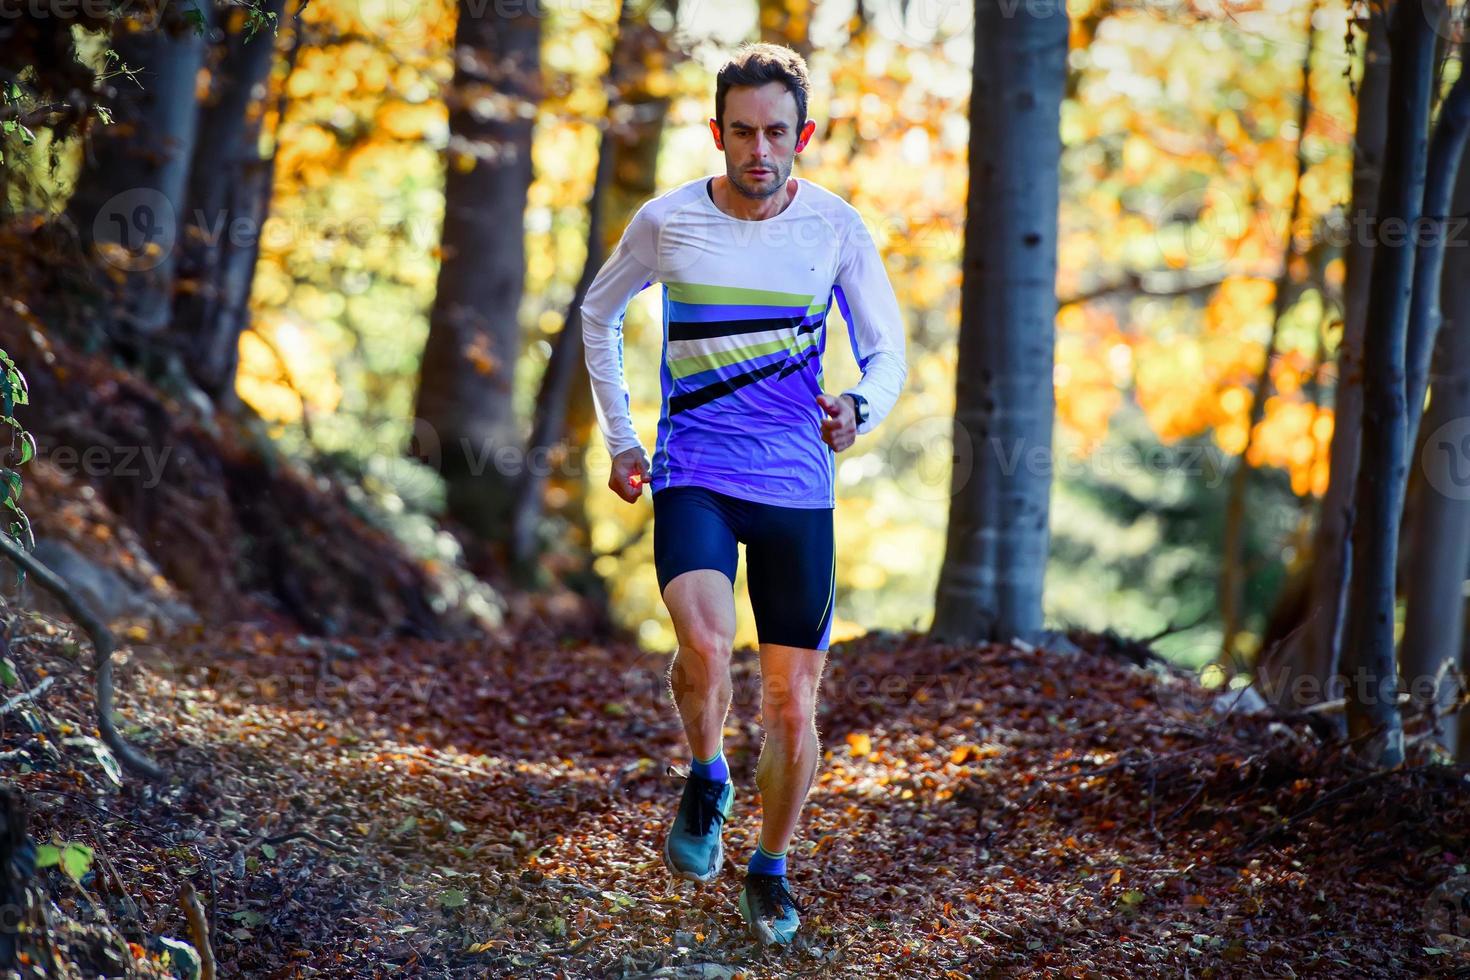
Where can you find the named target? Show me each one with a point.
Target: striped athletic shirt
(745, 307)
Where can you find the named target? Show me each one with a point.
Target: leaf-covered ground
(418, 808)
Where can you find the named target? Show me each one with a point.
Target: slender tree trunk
(467, 378)
(226, 206)
(1368, 650)
(130, 191)
(636, 132)
(1435, 611)
(990, 584)
(1445, 153)
(1303, 672)
(552, 399)
(1232, 573)
(1445, 150)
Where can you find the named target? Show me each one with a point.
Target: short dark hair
(756, 65)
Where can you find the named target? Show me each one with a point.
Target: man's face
(760, 139)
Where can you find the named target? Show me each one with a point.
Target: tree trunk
(554, 396)
(1435, 610)
(636, 134)
(1305, 669)
(129, 196)
(1445, 153)
(1368, 649)
(1232, 575)
(226, 205)
(467, 378)
(990, 584)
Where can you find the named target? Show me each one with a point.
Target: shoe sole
(761, 929)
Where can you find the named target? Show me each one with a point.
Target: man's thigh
(790, 569)
(695, 554)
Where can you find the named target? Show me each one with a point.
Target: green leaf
(183, 957)
(47, 855)
(8, 676)
(18, 383)
(195, 18)
(10, 484)
(268, 851)
(453, 898)
(1131, 897)
(75, 860)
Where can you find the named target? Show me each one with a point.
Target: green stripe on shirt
(698, 293)
(685, 366)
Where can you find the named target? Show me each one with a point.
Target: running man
(751, 262)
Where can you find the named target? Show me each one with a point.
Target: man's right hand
(629, 474)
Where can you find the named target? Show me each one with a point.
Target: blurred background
(1204, 193)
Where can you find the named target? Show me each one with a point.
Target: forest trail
(465, 810)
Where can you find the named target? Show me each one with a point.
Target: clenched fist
(629, 474)
(839, 429)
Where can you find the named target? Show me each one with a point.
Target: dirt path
(980, 812)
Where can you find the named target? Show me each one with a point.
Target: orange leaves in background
(1093, 364)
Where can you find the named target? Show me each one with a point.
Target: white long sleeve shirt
(745, 306)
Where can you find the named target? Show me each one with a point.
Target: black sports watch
(860, 406)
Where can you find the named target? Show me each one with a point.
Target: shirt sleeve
(628, 271)
(874, 324)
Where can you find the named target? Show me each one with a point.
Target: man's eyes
(775, 131)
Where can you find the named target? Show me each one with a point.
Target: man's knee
(788, 713)
(710, 646)
(702, 663)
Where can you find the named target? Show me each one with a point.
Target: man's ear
(806, 134)
(714, 128)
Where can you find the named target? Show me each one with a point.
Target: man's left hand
(839, 429)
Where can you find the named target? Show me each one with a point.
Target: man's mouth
(759, 173)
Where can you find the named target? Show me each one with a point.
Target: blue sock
(716, 768)
(763, 862)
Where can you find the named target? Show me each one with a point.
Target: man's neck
(737, 205)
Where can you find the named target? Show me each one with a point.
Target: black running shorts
(790, 562)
